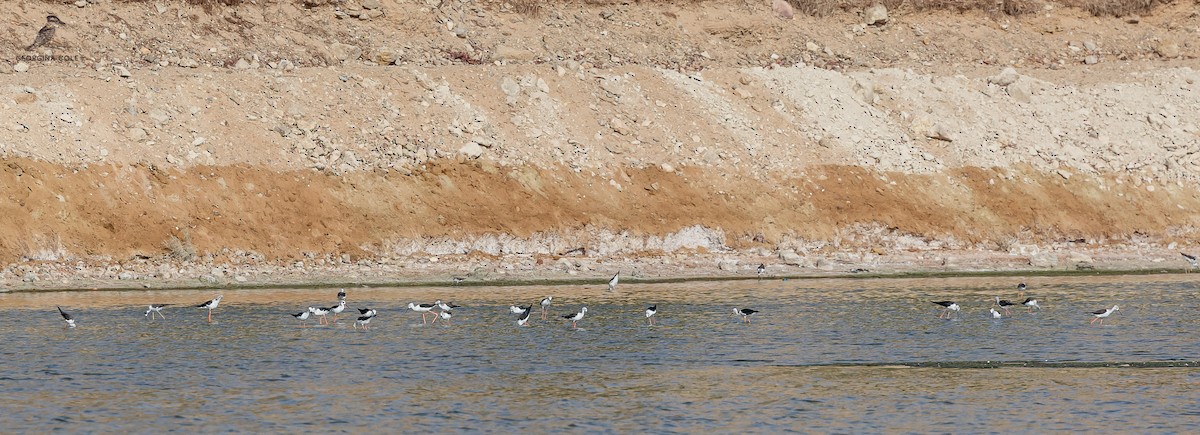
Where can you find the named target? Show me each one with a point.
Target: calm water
(795, 368)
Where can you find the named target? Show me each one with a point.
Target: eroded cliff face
(534, 155)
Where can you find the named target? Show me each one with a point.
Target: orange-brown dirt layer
(251, 216)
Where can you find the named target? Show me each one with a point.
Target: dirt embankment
(248, 143)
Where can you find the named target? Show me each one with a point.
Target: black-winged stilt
(444, 315)
(650, 311)
(1191, 260)
(367, 312)
(745, 313)
(303, 315)
(156, 308)
(1101, 314)
(362, 321)
(458, 279)
(517, 309)
(211, 305)
(575, 318)
(545, 305)
(67, 317)
(317, 311)
(523, 319)
(342, 295)
(1004, 303)
(1031, 303)
(948, 305)
(336, 309)
(762, 268)
(445, 306)
(612, 282)
(995, 314)
(422, 308)
(1021, 290)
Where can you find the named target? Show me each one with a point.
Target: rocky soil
(161, 144)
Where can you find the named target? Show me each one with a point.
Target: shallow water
(805, 363)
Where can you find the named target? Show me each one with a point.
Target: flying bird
(70, 320)
(47, 33)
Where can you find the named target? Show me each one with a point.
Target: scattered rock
(790, 257)
(472, 150)
(371, 4)
(783, 9)
(1090, 46)
(1168, 49)
(21, 67)
(120, 70)
(1043, 259)
(812, 47)
(241, 63)
(941, 132)
(875, 15)
(513, 54)
(727, 265)
(344, 52)
(189, 63)
(1006, 77)
(510, 87)
(1091, 60)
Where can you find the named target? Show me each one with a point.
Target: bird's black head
(54, 19)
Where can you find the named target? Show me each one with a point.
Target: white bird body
(524, 318)
(575, 318)
(995, 314)
(210, 305)
(155, 308)
(612, 282)
(66, 317)
(1102, 314)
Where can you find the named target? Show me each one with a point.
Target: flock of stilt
(950, 307)
(446, 310)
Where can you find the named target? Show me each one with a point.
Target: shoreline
(499, 272)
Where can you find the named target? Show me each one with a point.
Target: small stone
(344, 52)
(81, 3)
(618, 125)
(510, 87)
(875, 15)
(472, 150)
(940, 132)
(1091, 60)
(783, 9)
(1006, 77)
(1043, 259)
(1090, 46)
(1065, 174)
(667, 167)
(812, 47)
(121, 71)
(189, 63)
(241, 63)
(727, 265)
(790, 257)
(21, 67)
(371, 4)
(1167, 49)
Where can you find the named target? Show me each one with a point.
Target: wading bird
(650, 313)
(156, 308)
(745, 313)
(67, 317)
(575, 318)
(948, 305)
(1101, 314)
(210, 305)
